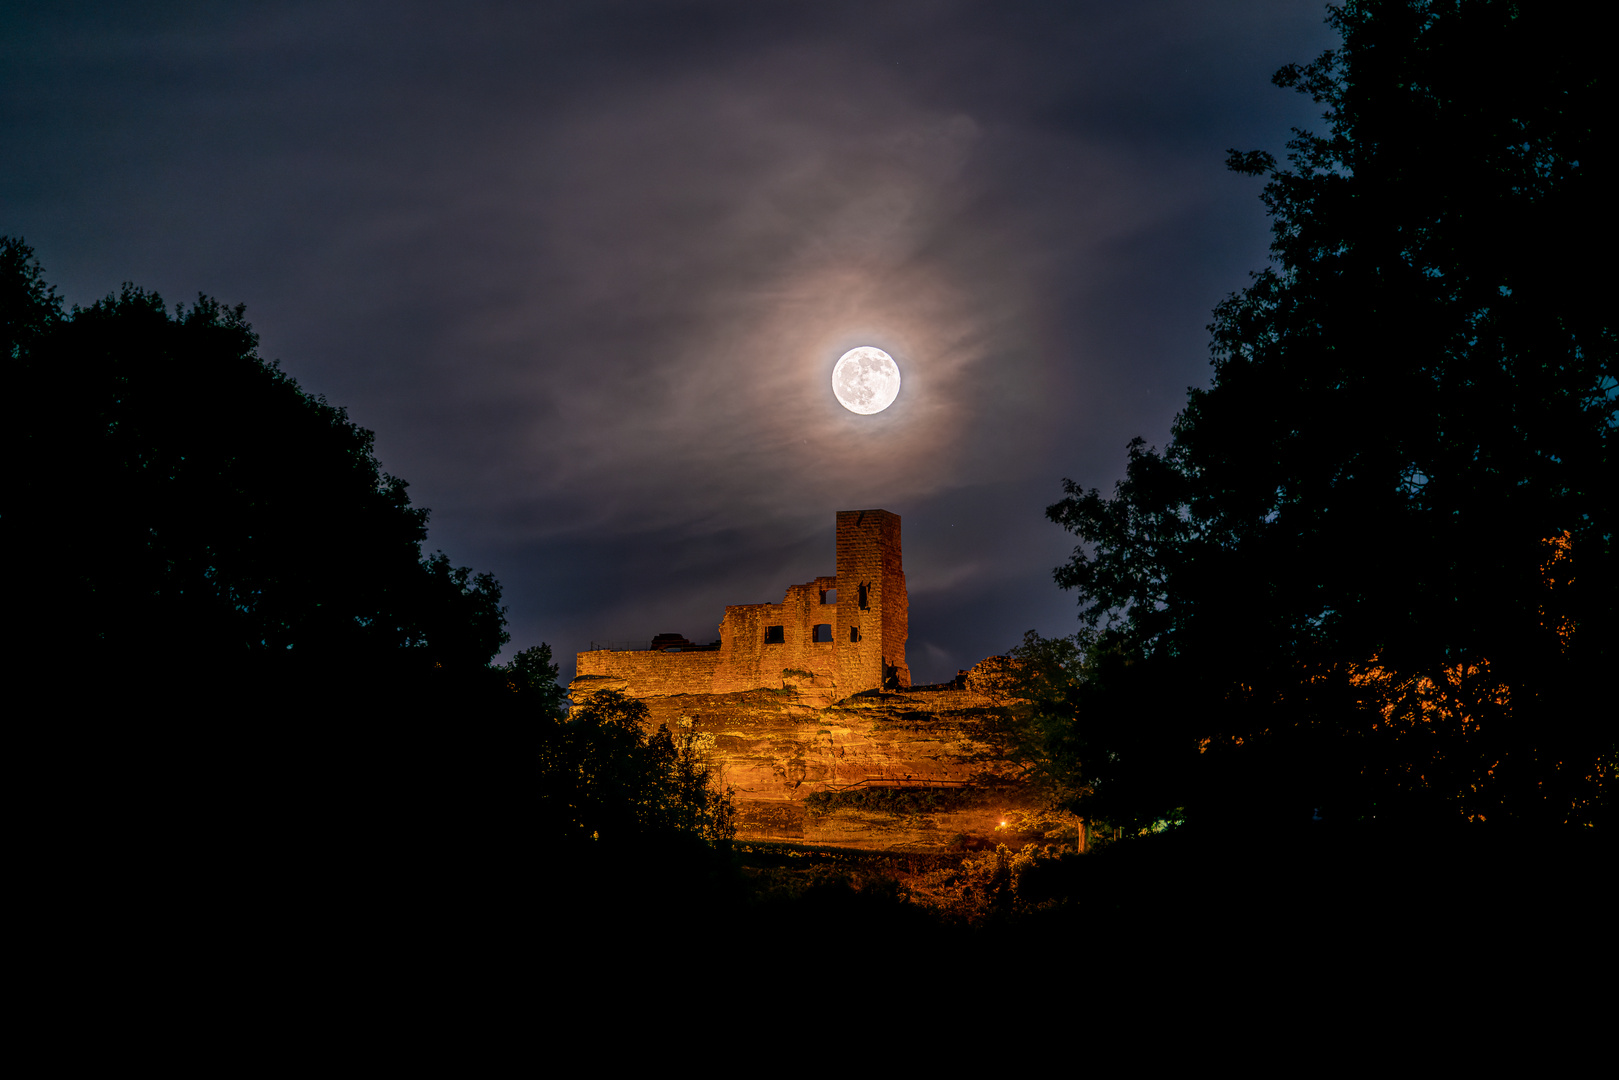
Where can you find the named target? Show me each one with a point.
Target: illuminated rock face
(788, 713)
(861, 613)
(778, 749)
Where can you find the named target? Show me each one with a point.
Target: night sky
(585, 268)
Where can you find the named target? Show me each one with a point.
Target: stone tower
(872, 618)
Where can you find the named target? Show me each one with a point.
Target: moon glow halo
(865, 380)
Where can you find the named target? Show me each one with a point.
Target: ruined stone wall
(804, 611)
(750, 659)
(868, 629)
(742, 646)
(649, 673)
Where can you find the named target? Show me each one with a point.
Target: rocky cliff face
(920, 769)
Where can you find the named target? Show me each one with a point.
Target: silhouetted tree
(533, 674)
(1381, 540)
(606, 781)
(1105, 735)
(179, 500)
(245, 680)
(252, 683)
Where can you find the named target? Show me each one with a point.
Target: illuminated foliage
(1556, 574)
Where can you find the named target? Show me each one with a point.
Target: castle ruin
(808, 702)
(842, 634)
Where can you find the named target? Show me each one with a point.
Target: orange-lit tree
(1379, 543)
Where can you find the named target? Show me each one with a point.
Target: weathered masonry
(844, 634)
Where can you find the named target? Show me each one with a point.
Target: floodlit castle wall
(759, 642)
(751, 659)
(654, 672)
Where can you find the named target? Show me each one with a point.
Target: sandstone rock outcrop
(800, 764)
(806, 708)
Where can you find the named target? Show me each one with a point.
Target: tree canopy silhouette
(179, 497)
(605, 780)
(1388, 521)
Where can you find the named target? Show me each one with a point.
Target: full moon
(866, 380)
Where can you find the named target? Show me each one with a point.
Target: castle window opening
(775, 635)
(865, 600)
(823, 632)
(829, 596)
(854, 633)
